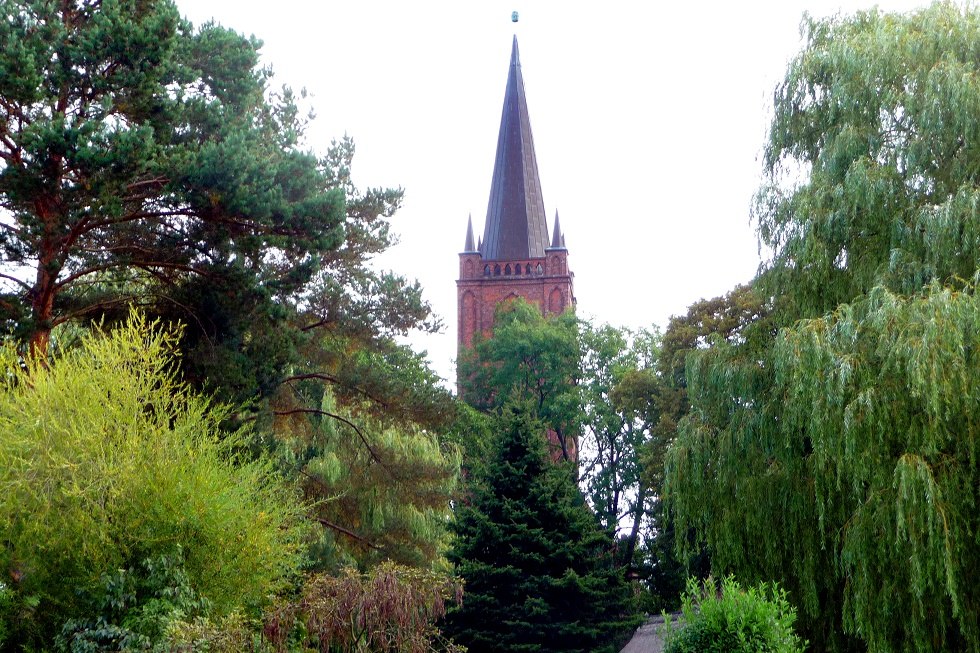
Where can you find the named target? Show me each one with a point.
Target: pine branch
(23, 284)
(323, 413)
(348, 533)
(332, 379)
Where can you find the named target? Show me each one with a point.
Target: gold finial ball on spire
(514, 17)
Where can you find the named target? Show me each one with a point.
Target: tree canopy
(139, 153)
(834, 450)
(532, 358)
(145, 161)
(611, 469)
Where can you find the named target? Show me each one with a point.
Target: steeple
(557, 238)
(515, 257)
(470, 246)
(515, 227)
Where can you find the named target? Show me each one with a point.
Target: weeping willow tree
(834, 448)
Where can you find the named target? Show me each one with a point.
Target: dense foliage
(138, 155)
(537, 568)
(134, 608)
(728, 619)
(107, 462)
(389, 610)
(833, 446)
(147, 162)
(528, 358)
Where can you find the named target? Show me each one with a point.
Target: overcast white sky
(648, 119)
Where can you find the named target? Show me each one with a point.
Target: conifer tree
(147, 161)
(138, 153)
(536, 566)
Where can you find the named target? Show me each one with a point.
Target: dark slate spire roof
(470, 245)
(515, 227)
(557, 237)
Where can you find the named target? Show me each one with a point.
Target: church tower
(515, 257)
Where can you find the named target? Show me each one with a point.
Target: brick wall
(482, 285)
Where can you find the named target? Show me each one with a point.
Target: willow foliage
(873, 158)
(381, 492)
(834, 449)
(887, 390)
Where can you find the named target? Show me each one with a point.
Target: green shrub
(390, 609)
(106, 461)
(133, 608)
(756, 620)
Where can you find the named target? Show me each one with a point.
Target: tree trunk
(641, 497)
(45, 285)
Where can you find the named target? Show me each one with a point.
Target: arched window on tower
(507, 270)
(539, 270)
(486, 270)
(528, 270)
(496, 270)
(517, 269)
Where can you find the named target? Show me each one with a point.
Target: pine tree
(537, 570)
(139, 154)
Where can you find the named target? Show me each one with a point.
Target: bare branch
(348, 533)
(141, 215)
(323, 413)
(93, 307)
(330, 524)
(155, 182)
(316, 325)
(375, 456)
(319, 376)
(312, 375)
(9, 227)
(19, 282)
(147, 266)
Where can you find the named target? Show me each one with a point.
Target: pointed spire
(557, 238)
(515, 227)
(469, 246)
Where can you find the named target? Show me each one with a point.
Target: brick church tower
(515, 257)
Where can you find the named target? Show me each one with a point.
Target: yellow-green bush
(107, 460)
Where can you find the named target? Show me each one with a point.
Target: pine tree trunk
(45, 285)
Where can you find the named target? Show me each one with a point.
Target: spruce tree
(537, 569)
